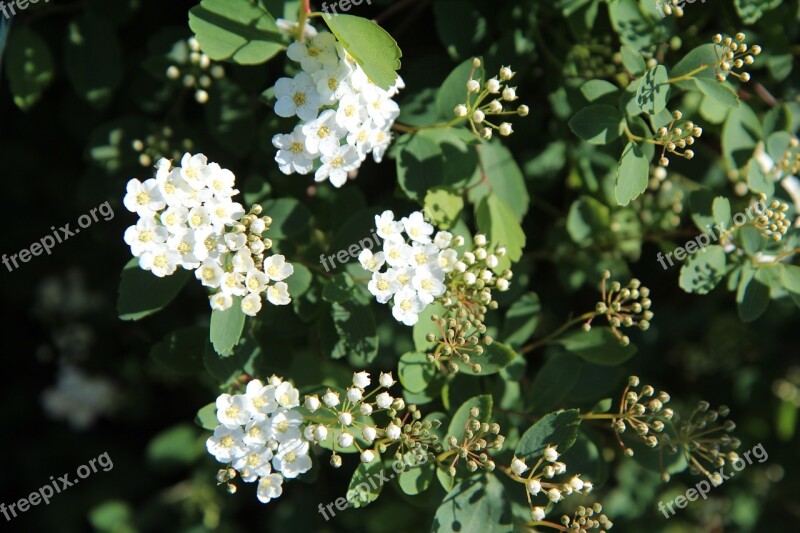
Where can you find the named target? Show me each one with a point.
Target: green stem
(552, 336)
(688, 75)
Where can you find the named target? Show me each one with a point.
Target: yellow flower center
(196, 219)
(142, 198)
(146, 236)
(337, 162)
(405, 305)
(290, 457)
(232, 412)
(299, 98)
(382, 285)
(208, 273)
(333, 83)
(184, 248)
(313, 51)
(253, 460)
(427, 284)
(283, 426)
(160, 261)
(226, 441)
(296, 148)
(323, 132)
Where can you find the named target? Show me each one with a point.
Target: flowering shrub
(487, 339)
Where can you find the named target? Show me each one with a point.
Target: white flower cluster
(260, 435)
(354, 402)
(415, 272)
(197, 73)
(78, 398)
(344, 116)
(535, 481)
(187, 218)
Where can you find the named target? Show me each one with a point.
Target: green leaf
(521, 320)
(299, 281)
(443, 206)
(633, 60)
(703, 270)
(454, 89)
(597, 124)
(599, 345)
(226, 327)
(141, 293)
(553, 382)
(721, 208)
(632, 174)
(178, 446)
(339, 288)
(705, 54)
(361, 492)
(628, 21)
(460, 25)
(752, 295)
(440, 157)
(29, 66)
(181, 351)
(458, 423)
(358, 338)
(225, 369)
(653, 92)
(600, 92)
(588, 219)
(229, 117)
(757, 180)
(370, 45)
(425, 325)
(740, 134)
(475, 505)
(495, 357)
(718, 91)
(206, 417)
(497, 220)
(92, 42)
(500, 174)
(559, 429)
(415, 371)
(417, 479)
(752, 10)
(240, 31)
(791, 278)
(289, 217)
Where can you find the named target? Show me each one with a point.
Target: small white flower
(286, 395)
(443, 239)
(257, 431)
(256, 281)
(220, 301)
(210, 274)
(416, 227)
(251, 304)
(285, 425)
(331, 84)
(322, 134)
(447, 260)
(292, 154)
(232, 411)
(278, 294)
(397, 253)
(384, 400)
(550, 454)
(269, 488)
(371, 262)
(311, 403)
(145, 236)
(232, 283)
(253, 463)
(243, 261)
(160, 260)
(351, 113)
(345, 440)
(144, 199)
(336, 165)
(367, 456)
(429, 284)
(383, 286)
(386, 379)
(320, 433)
(235, 241)
(387, 228)
(393, 431)
(276, 268)
(369, 433)
(297, 96)
(330, 398)
(354, 394)
(226, 443)
(518, 466)
(292, 458)
(361, 379)
(261, 397)
(317, 52)
(195, 170)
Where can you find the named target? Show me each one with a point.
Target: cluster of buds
(735, 54)
(486, 99)
(772, 222)
(478, 438)
(789, 164)
(468, 296)
(196, 72)
(673, 138)
(252, 226)
(158, 145)
(346, 421)
(669, 7)
(623, 306)
(587, 519)
(540, 480)
(643, 411)
(705, 440)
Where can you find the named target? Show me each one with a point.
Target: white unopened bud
(366, 409)
(345, 419)
(478, 116)
(473, 86)
(505, 129)
(534, 487)
(369, 433)
(367, 456)
(354, 394)
(361, 380)
(509, 94)
(506, 74)
(493, 86)
(311, 403)
(320, 433)
(330, 398)
(393, 431)
(345, 440)
(386, 380)
(460, 110)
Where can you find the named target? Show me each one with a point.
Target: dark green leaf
(141, 293)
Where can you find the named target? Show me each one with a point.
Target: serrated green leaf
(717, 91)
(240, 31)
(633, 61)
(475, 505)
(370, 45)
(458, 423)
(226, 327)
(558, 429)
(703, 270)
(141, 293)
(497, 220)
(597, 124)
(443, 206)
(632, 174)
(653, 92)
(415, 371)
(361, 492)
(521, 320)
